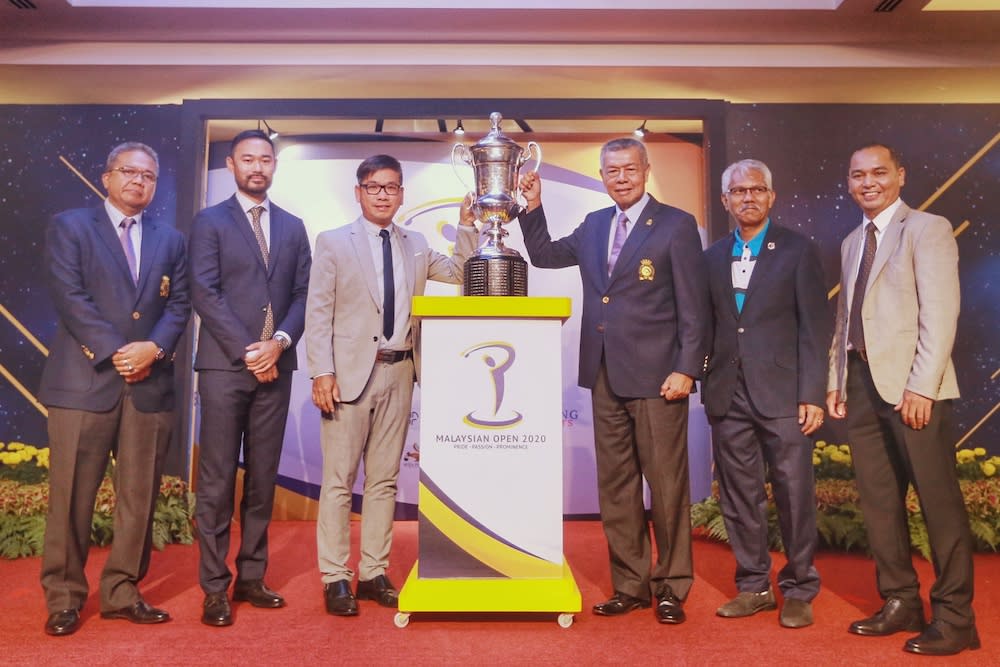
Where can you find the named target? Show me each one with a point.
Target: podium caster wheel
(565, 620)
(402, 620)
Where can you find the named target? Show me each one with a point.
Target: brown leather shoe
(893, 617)
(619, 604)
(140, 612)
(669, 608)
(379, 589)
(216, 610)
(256, 593)
(748, 604)
(795, 614)
(63, 622)
(339, 599)
(942, 638)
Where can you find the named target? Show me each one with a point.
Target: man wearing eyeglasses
(250, 264)
(764, 393)
(118, 279)
(644, 338)
(360, 341)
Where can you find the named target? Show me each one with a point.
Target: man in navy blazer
(118, 280)
(250, 264)
(644, 337)
(764, 392)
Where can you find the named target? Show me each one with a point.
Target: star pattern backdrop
(808, 148)
(34, 185)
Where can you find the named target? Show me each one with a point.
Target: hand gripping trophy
(494, 269)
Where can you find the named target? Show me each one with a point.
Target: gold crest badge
(646, 269)
(165, 286)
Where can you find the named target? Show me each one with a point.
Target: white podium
(490, 493)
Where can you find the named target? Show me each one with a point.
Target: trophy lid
(495, 137)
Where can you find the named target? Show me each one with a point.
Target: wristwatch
(160, 354)
(282, 341)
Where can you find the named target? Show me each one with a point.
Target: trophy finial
(495, 119)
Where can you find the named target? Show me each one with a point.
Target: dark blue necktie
(388, 287)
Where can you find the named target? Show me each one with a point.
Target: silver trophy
(494, 269)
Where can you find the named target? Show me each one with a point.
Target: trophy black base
(504, 275)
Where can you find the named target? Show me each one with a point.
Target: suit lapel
(363, 253)
(151, 238)
(642, 229)
(887, 244)
(239, 218)
(106, 232)
(850, 270)
(277, 219)
(602, 230)
(721, 264)
(765, 259)
(408, 253)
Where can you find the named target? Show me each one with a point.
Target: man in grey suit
(118, 279)
(764, 392)
(250, 264)
(360, 341)
(644, 339)
(892, 377)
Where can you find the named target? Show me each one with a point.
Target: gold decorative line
(24, 331)
(978, 424)
(958, 174)
(995, 374)
(832, 293)
(24, 392)
(81, 176)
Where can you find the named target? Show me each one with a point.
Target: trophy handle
(465, 156)
(532, 146)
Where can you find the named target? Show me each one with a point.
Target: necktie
(855, 327)
(267, 333)
(616, 246)
(126, 240)
(388, 287)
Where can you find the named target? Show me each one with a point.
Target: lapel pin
(770, 245)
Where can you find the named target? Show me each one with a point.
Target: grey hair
(128, 147)
(743, 166)
(623, 144)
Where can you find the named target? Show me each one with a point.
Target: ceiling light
(641, 131)
(458, 128)
(271, 132)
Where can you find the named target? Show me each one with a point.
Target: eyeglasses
(756, 191)
(372, 188)
(131, 172)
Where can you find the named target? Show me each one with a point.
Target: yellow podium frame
(558, 593)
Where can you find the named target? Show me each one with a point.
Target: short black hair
(893, 153)
(377, 163)
(248, 134)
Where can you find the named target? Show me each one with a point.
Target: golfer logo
(497, 357)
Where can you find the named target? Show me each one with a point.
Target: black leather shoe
(669, 608)
(216, 610)
(379, 589)
(140, 612)
(64, 622)
(940, 638)
(619, 604)
(257, 594)
(893, 617)
(339, 599)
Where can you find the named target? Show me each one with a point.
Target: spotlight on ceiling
(271, 132)
(641, 131)
(458, 128)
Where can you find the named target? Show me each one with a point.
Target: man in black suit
(643, 341)
(250, 265)
(118, 280)
(764, 392)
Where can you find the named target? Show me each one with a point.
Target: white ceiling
(164, 52)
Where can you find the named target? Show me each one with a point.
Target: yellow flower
(830, 450)
(846, 449)
(965, 455)
(14, 446)
(979, 451)
(836, 456)
(988, 469)
(820, 444)
(816, 460)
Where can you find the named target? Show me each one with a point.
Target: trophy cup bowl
(494, 269)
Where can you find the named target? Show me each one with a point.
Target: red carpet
(303, 634)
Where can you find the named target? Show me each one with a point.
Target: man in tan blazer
(360, 344)
(892, 377)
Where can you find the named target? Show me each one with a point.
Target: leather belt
(393, 356)
(862, 355)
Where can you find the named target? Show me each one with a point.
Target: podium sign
(490, 494)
